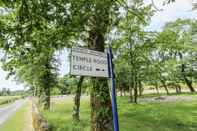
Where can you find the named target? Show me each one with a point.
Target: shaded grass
(60, 118)
(17, 121)
(168, 116)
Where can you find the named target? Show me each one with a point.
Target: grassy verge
(171, 116)
(17, 121)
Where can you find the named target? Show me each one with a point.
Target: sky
(11, 84)
(170, 12)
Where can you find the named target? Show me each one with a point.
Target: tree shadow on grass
(69, 125)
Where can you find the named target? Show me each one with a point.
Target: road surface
(6, 112)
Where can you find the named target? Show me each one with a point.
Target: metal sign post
(85, 62)
(114, 103)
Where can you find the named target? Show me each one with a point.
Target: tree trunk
(101, 115)
(35, 92)
(46, 87)
(121, 91)
(178, 88)
(44, 97)
(157, 88)
(77, 98)
(46, 100)
(101, 110)
(130, 94)
(165, 86)
(131, 88)
(189, 84)
(135, 93)
(124, 92)
(140, 88)
(187, 81)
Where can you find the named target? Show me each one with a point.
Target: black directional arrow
(97, 69)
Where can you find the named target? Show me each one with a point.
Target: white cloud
(171, 12)
(63, 60)
(11, 84)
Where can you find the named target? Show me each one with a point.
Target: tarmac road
(7, 111)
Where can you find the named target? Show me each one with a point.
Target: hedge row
(39, 123)
(8, 100)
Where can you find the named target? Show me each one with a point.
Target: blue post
(114, 103)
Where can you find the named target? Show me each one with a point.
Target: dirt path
(166, 98)
(7, 111)
(28, 121)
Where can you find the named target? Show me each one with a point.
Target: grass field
(4, 100)
(165, 116)
(17, 121)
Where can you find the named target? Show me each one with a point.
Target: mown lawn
(17, 121)
(168, 116)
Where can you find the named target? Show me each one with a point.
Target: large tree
(176, 42)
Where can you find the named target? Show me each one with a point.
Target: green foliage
(132, 45)
(68, 84)
(177, 39)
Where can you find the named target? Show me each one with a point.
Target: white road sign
(85, 62)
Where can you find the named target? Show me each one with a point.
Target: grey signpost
(85, 62)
